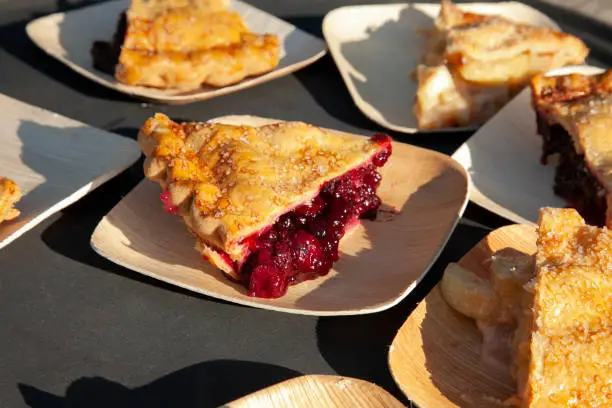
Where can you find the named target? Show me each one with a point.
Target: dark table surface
(78, 331)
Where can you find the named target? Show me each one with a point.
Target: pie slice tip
(268, 205)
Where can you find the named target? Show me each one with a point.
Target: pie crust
(564, 343)
(474, 64)
(185, 45)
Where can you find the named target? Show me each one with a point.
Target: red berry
(167, 200)
(307, 252)
(266, 282)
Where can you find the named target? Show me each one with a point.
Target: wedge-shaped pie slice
(567, 360)
(559, 306)
(474, 64)
(9, 196)
(574, 118)
(268, 205)
(185, 45)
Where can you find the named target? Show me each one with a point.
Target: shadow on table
(70, 235)
(14, 39)
(208, 384)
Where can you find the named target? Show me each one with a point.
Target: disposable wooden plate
(435, 357)
(69, 36)
(315, 391)
(381, 261)
(377, 48)
(55, 161)
(503, 159)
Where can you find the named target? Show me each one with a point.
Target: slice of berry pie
(574, 118)
(9, 196)
(268, 205)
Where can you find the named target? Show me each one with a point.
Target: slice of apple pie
(567, 346)
(180, 44)
(561, 308)
(474, 64)
(9, 196)
(268, 205)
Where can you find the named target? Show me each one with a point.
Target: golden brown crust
(219, 66)
(571, 343)
(150, 9)
(187, 44)
(175, 31)
(9, 196)
(562, 88)
(482, 62)
(228, 182)
(487, 48)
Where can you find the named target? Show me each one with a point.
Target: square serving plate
(377, 48)
(54, 160)
(381, 262)
(312, 391)
(503, 159)
(69, 37)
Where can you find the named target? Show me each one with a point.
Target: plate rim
(318, 378)
(140, 92)
(78, 192)
(434, 256)
(359, 101)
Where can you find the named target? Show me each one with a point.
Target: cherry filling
(303, 243)
(168, 206)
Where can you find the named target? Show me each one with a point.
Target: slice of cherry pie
(268, 205)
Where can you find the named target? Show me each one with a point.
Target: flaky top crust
(571, 345)
(175, 31)
(150, 9)
(229, 182)
(474, 41)
(489, 37)
(184, 44)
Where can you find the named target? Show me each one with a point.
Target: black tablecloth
(78, 330)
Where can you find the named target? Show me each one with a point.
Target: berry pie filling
(303, 243)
